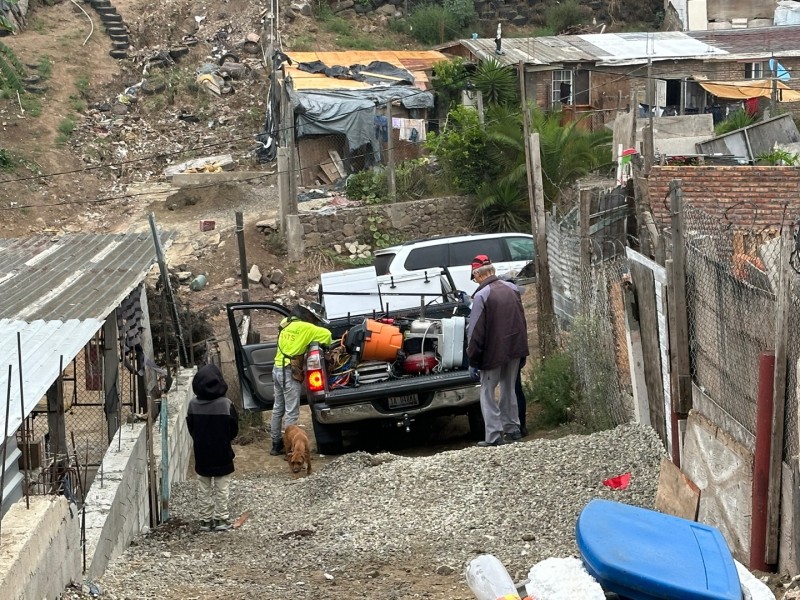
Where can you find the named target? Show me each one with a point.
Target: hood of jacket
(208, 383)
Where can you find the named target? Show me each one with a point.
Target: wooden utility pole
(479, 101)
(547, 334)
(650, 143)
(779, 397)
(682, 396)
(533, 160)
(390, 180)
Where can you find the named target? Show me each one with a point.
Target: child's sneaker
(222, 525)
(205, 525)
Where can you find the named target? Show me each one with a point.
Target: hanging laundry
(381, 129)
(412, 130)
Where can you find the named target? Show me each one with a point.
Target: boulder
(343, 5)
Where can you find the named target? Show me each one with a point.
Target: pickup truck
(383, 367)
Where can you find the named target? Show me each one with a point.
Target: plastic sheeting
(787, 13)
(350, 112)
(755, 88)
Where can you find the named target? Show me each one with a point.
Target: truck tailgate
(399, 387)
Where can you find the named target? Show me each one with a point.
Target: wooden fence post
(682, 396)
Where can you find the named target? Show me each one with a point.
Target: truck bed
(399, 387)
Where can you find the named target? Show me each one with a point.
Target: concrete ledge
(41, 549)
(193, 179)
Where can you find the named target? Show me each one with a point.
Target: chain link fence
(732, 286)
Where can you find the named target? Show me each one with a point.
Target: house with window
(693, 72)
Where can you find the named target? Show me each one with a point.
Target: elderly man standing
(498, 339)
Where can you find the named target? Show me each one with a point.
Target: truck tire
(477, 427)
(328, 437)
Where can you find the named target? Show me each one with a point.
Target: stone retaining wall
(401, 221)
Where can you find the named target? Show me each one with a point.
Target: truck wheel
(477, 428)
(328, 437)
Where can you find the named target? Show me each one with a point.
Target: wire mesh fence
(732, 286)
(589, 304)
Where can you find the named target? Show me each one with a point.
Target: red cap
(479, 261)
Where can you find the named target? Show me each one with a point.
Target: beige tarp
(750, 88)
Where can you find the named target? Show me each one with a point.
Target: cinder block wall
(743, 197)
(41, 549)
(117, 506)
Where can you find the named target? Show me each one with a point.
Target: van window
(462, 253)
(382, 262)
(427, 257)
(520, 248)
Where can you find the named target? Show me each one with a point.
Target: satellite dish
(779, 70)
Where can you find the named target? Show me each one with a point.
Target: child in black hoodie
(213, 424)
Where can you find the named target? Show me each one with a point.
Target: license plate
(403, 401)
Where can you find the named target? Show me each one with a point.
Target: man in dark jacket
(498, 339)
(213, 424)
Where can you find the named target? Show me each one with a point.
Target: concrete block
(40, 554)
(723, 470)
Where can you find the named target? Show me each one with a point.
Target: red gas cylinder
(415, 364)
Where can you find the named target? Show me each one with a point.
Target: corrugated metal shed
(56, 292)
(70, 277)
(599, 48)
(632, 48)
(416, 61)
(45, 346)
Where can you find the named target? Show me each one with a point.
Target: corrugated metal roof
(780, 41)
(71, 277)
(43, 344)
(632, 47)
(416, 61)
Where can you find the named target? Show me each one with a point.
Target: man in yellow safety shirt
(296, 332)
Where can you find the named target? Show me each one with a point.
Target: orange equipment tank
(381, 341)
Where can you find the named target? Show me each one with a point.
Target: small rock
(444, 570)
(119, 109)
(254, 275)
(277, 276)
(183, 276)
(328, 576)
(337, 248)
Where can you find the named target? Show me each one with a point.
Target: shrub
(7, 162)
(462, 149)
(368, 186)
(736, 120)
(432, 24)
(553, 388)
(502, 206)
(564, 15)
(449, 78)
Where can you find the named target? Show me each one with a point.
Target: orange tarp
(417, 62)
(750, 88)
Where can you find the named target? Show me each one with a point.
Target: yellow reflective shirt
(294, 338)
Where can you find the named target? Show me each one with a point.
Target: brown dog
(298, 452)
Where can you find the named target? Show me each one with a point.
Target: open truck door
(254, 331)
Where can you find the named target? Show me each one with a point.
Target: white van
(510, 252)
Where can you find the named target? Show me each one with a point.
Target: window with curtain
(562, 87)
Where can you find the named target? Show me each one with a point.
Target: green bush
(7, 162)
(449, 78)
(564, 15)
(462, 149)
(502, 206)
(432, 24)
(368, 186)
(553, 388)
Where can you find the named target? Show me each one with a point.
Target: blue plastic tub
(641, 554)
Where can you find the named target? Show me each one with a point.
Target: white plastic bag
(562, 579)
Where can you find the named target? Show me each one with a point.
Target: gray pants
(287, 400)
(212, 497)
(499, 400)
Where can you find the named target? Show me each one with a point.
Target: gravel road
(386, 526)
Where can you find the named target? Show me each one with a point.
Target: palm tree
(11, 69)
(568, 151)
